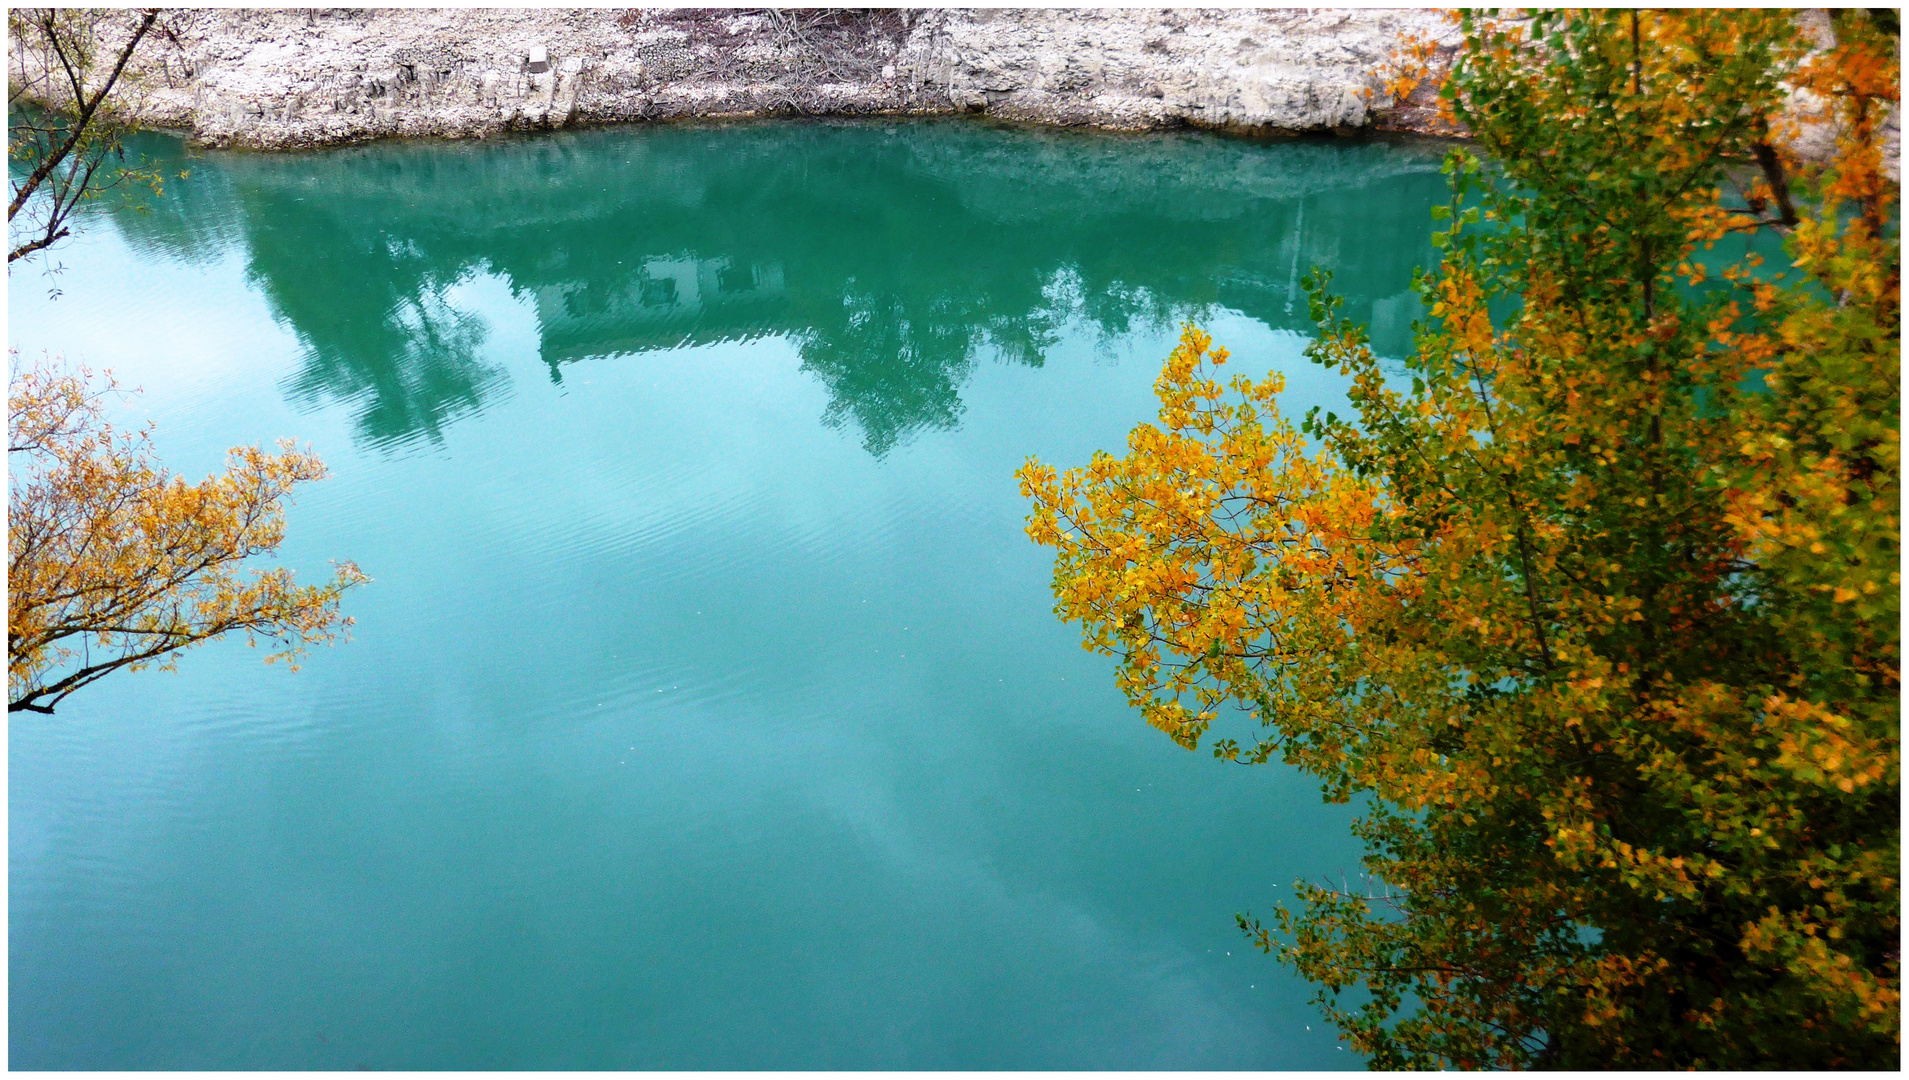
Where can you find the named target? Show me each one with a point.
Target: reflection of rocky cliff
(894, 254)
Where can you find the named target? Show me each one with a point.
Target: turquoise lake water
(707, 709)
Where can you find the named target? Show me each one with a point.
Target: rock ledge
(284, 79)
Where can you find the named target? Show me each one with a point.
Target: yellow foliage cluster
(113, 562)
(1192, 554)
(1405, 70)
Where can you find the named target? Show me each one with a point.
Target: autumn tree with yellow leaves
(1595, 602)
(113, 562)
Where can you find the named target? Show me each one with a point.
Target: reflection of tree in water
(369, 305)
(193, 222)
(895, 256)
(890, 374)
(424, 374)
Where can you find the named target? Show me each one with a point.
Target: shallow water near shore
(707, 709)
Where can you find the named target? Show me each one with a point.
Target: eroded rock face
(295, 78)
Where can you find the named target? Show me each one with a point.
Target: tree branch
(81, 121)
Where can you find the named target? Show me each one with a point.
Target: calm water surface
(707, 709)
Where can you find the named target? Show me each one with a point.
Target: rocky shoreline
(288, 79)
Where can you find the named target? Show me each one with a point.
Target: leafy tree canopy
(1597, 600)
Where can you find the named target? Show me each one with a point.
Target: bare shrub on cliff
(812, 48)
